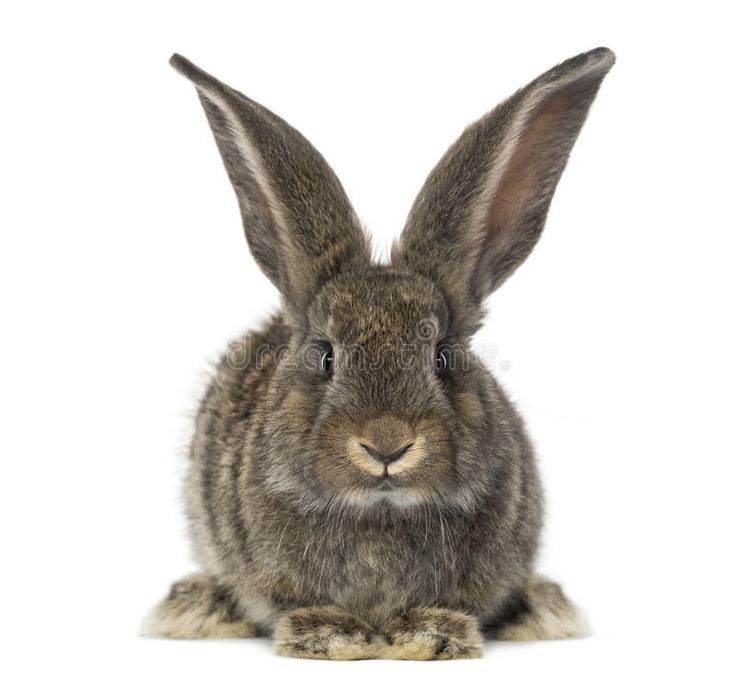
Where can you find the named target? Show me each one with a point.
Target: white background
(124, 272)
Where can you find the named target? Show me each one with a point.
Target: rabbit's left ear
(483, 207)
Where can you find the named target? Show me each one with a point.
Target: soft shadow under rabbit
(359, 484)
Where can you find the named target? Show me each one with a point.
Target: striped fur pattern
(359, 485)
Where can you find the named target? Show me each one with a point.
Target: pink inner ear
(532, 171)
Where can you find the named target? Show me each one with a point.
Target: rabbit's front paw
(325, 633)
(426, 633)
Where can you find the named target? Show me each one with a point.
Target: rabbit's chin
(384, 495)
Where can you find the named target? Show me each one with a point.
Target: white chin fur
(401, 498)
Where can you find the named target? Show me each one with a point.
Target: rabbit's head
(378, 398)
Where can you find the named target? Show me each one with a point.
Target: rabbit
(346, 500)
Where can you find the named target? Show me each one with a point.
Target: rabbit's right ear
(299, 224)
(483, 207)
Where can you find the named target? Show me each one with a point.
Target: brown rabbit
(359, 485)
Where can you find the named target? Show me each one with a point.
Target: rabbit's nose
(386, 441)
(386, 459)
(386, 438)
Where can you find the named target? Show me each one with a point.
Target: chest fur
(375, 569)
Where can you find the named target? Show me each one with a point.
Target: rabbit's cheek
(469, 407)
(299, 410)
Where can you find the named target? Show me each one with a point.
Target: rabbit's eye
(325, 361)
(442, 359)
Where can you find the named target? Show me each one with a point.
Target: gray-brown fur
(198, 607)
(326, 633)
(290, 510)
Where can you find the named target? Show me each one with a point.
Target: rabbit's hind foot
(546, 614)
(197, 607)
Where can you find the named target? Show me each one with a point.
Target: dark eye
(442, 358)
(326, 359)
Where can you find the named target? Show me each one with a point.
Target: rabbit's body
(359, 485)
(374, 562)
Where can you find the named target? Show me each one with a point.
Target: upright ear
(483, 206)
(299, 224)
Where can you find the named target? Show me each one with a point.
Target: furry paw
(547, 615)
(325, 633)
(197, 607)
(433, 634)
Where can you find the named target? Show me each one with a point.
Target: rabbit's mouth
(387, 483)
